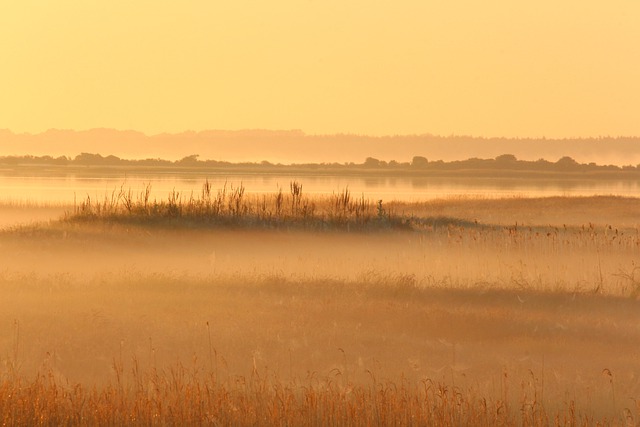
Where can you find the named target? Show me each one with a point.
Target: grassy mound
(230, 206)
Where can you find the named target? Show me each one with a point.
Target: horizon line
(305, 134)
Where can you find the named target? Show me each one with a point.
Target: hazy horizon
(292, 130)
(501, 69)
(297, 146)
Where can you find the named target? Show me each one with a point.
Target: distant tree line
(505, 162)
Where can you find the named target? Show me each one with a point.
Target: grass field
(451, 312)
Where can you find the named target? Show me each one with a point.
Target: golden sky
(485, 68)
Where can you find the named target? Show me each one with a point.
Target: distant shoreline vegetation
(506, 164)
(503, 165)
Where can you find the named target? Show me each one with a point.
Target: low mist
(500, 310)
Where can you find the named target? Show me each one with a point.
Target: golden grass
(184, 396)
(448, 323)
(621, 212)
(277, 351)
(230, 206)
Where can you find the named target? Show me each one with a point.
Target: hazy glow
(499, 68)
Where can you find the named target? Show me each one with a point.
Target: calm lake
(40, 187)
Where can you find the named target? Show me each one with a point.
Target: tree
(566, 162)
(371, 162)
(506, 158)
(88, 159)
(189, 160)
(419, 162)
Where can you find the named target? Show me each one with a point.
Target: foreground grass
(456, 324)
(182, 396)
(276, 351)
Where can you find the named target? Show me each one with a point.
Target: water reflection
(55, 186)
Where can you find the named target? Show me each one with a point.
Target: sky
(497, 68)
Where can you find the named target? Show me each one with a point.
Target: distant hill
(294, 146)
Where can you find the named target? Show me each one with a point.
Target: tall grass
(231, 205)
(529, 259)
(185, 395)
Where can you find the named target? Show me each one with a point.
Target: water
(56, 187)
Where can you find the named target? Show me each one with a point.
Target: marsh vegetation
(230, 206)
(228, 309)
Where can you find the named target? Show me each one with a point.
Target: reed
(190, 395)
(564, 291)
(233, 206)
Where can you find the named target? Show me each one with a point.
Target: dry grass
(183, 396)
(541, 211)
(231, 206)
(269, 350)
(448, 323)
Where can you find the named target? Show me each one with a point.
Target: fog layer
(499, 309)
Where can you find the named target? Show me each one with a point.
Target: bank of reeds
(232, 206)
(184, 396)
